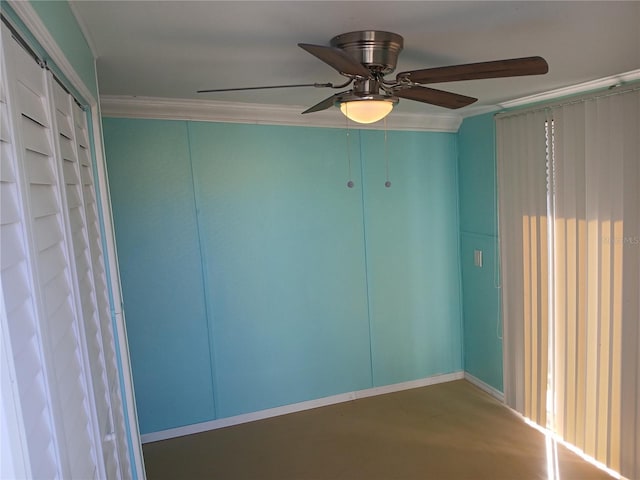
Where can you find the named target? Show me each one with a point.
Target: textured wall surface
(478, 231)
(254, 278)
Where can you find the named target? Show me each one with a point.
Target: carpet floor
(449, 431)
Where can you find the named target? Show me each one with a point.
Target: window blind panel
(43, 201)
(66, 149)
(63, 332)
(31, 104)
(593, 285)
(18, 292)
(57, 294)
(611, 427)
(69, 149)
(9, 208)
(24, 332)
(50, 233)
(61, 122)
(28, 355)
(80, 125)
(11, 253)
(612, 206)
(75, 218)
(117, 465)
(596, 169)
(59, 316)
(629, 110)
(35, 424)
(594, 363)
(523, 239)
(5, 134)
(74, 205)
(62, 288)
(41, 451)
(76, 221)
(39, 171)
(52, 261)
(69, 171)
(6, 169)
(35, 137)
(74, 202)
(511, 248)
(83, 272)
(566, 291)
(26, 73)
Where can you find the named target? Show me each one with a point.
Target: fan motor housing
(375, 49)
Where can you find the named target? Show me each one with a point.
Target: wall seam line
(366, 256)
(204, 277)
(461, 322)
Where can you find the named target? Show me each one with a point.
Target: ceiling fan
(365, 57)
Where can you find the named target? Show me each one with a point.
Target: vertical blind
(523, 225)
(568, 180)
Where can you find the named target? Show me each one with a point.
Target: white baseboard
(298, 407)
(494, 392)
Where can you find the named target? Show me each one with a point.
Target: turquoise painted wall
(253, 278)
(161, 272)
(478, 231)
(285, 273)
(412, 254)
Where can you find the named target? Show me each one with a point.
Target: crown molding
(606, 82)
(260, 114)
(480, 110)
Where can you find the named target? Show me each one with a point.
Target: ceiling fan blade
(238, 89)
(434, 97)
(513, 67)
(324, 104)
(337, 59)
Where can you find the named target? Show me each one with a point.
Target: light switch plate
(477, 258)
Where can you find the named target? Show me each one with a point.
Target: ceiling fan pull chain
(387, 183)
(350, 182)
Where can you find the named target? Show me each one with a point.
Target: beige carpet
(447, 431)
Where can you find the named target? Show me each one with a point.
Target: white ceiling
(170, 49)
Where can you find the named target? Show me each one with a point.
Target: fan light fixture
(366, 109)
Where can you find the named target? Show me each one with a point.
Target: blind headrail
(611, 91)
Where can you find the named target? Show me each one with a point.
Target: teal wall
(412, 254)
(158, 253)
(478, 231)
(254, 278)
